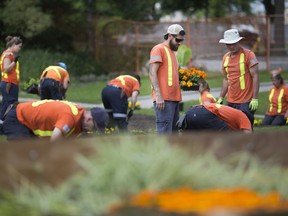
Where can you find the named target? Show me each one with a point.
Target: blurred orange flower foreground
(185, 200)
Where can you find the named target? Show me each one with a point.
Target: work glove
(16, 58)
(253, 104)
(219, 100)
(181, 123)
(130, 114)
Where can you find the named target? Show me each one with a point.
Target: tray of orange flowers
(188, 78)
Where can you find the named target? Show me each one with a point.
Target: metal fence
(125, 45)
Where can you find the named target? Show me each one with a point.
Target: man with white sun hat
(241, 75)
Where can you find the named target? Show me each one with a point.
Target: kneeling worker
(53, 119)
(214, 117)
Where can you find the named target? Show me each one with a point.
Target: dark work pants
(276, 120)
(199, 118)
(50, 89)
(244, 107)
(8, 97)
(13, 129)
(116, 105)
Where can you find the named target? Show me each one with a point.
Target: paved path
(146, 101)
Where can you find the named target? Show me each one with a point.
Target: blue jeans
(244, 107)
(50, 89)
(166, 119)
(199, 118)
(9, 97)
(276, 120)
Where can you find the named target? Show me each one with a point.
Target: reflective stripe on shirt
(169, 66)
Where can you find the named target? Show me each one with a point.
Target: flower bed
(185, 200)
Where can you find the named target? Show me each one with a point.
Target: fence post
(136, 26)
(268, 29)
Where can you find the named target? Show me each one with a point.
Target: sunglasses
(178, 40)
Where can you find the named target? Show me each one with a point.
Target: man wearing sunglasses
(163, 72)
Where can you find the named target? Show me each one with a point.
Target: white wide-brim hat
(231, 36)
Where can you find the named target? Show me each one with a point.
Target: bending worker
(214, 117)
(115, 99)
(51, 118)
(54, 82)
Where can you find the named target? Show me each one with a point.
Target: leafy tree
(24, 17)
(135, 9)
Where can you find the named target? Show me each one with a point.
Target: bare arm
(254, 71)
(56, 135)
(134, 99)
(224, 88)
(65, 83)
(8, 65)
(153, 70)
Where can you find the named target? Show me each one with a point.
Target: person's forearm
(224, 88)
(56, 135)
(255, 87)
(134, 99)
(154, 78)
(8, 66)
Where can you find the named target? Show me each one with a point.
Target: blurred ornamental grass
(125, 166)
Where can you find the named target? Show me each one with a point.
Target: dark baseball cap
(100, 118)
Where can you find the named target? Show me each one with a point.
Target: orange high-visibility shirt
(55, 72)
(235, 119)
(240, 87)
(127, 83)
(43, 116)
(13, 76)
(168, 75)
(278, 101)
(206, 97)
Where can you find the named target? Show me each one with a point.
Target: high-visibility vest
(279, 100)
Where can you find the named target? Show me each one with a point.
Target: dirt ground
(143, 123)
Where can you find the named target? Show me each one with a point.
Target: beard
(173, 46)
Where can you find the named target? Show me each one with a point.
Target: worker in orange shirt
(54, 82)
(241, 76)
(164, 76)
(214, 117)
(10, 72)
(53, 119)
(115, 99)
(277, 111)
(205, 96)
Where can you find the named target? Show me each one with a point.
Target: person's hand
(160, 103)
(181, 123)
(253, 104)
(130, 114)
(219, 100)
(16, 58)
